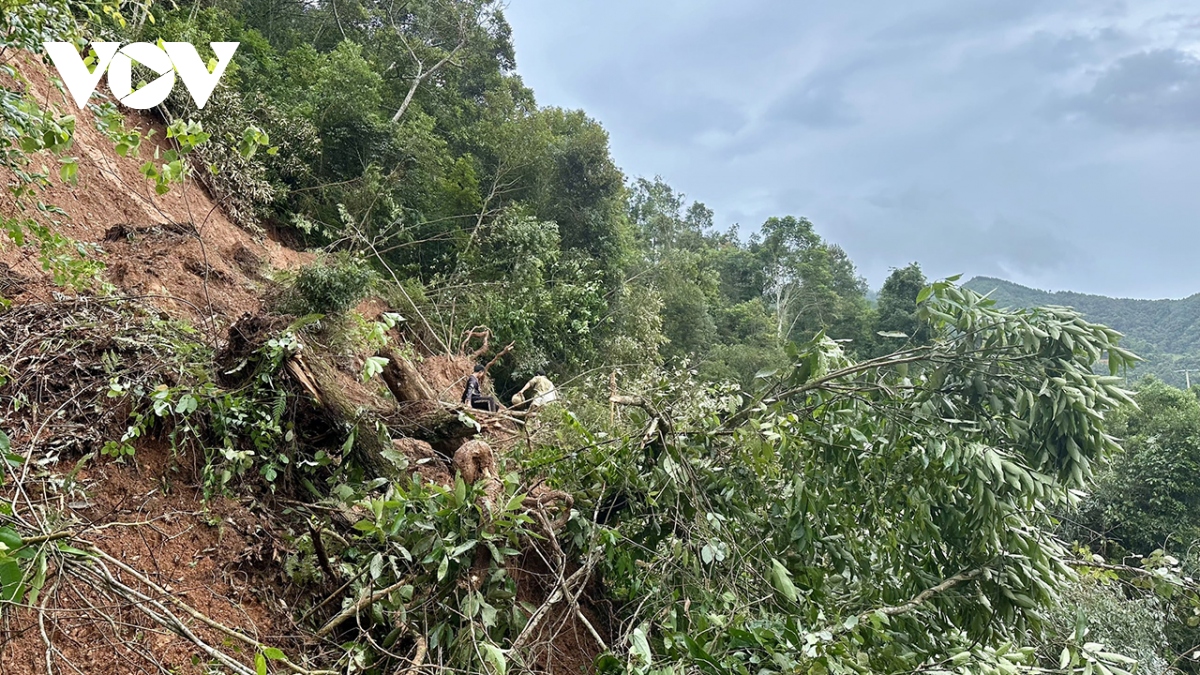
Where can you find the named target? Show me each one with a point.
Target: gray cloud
(1057, 52)
(815, 102)
(1156, 90)
(944, 20)
(1024, 247)
(1052, 141)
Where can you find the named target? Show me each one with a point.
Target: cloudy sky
(1052, 142)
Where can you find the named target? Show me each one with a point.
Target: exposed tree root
(99, 565)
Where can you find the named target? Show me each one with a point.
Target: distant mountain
(1164, 332)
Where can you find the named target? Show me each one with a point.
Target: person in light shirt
(543, 390)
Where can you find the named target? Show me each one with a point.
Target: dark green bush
(331, 285)
(1149, 496)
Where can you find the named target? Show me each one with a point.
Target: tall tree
(896, 309)
(811, 285)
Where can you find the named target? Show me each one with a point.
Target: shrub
(1149, 497)
(1098, 610)
(332, 285)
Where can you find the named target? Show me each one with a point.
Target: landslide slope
(138, 564)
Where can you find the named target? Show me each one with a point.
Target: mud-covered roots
(69, 370)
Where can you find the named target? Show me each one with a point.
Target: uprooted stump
(342, 398)
(423, 459)
(476, 462)
(246, 336)
(338, 400)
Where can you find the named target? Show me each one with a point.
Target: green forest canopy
(401, 133)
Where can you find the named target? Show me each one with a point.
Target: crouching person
(473, 393)
(543, 391)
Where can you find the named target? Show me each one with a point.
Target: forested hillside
(261, 402)
(1166, 333)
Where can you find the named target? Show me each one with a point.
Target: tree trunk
(404, 381)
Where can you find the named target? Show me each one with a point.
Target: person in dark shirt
(473, 394)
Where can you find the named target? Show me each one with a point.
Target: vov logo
(117, 61)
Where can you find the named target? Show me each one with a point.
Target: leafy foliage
(27, 130)
(435, 560)
(331, 285)
(1163, 332)
(858, 517)
(1150, 497)
(801, 483)
(896, 316)
(1095, 610)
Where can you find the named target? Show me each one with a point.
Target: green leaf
(373, 366)
(69, 171)
(10, 539)
(39, 578)
(11, 577)
(67, 548)
(487, 614)
(463, 548)
(515, 502)
(274, 654)
(260, 664)
(639, 647)
(460, 490)
(781, 579)
(494, 656)
(443, 569)
(471, 605)
(187, 404)
(924, 294)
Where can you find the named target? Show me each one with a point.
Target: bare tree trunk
(412, 90)
(782, 300)
(422, 75)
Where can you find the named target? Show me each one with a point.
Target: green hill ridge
(1166, 333)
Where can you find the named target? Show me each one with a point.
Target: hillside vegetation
(1166, 333)
(235, 350)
